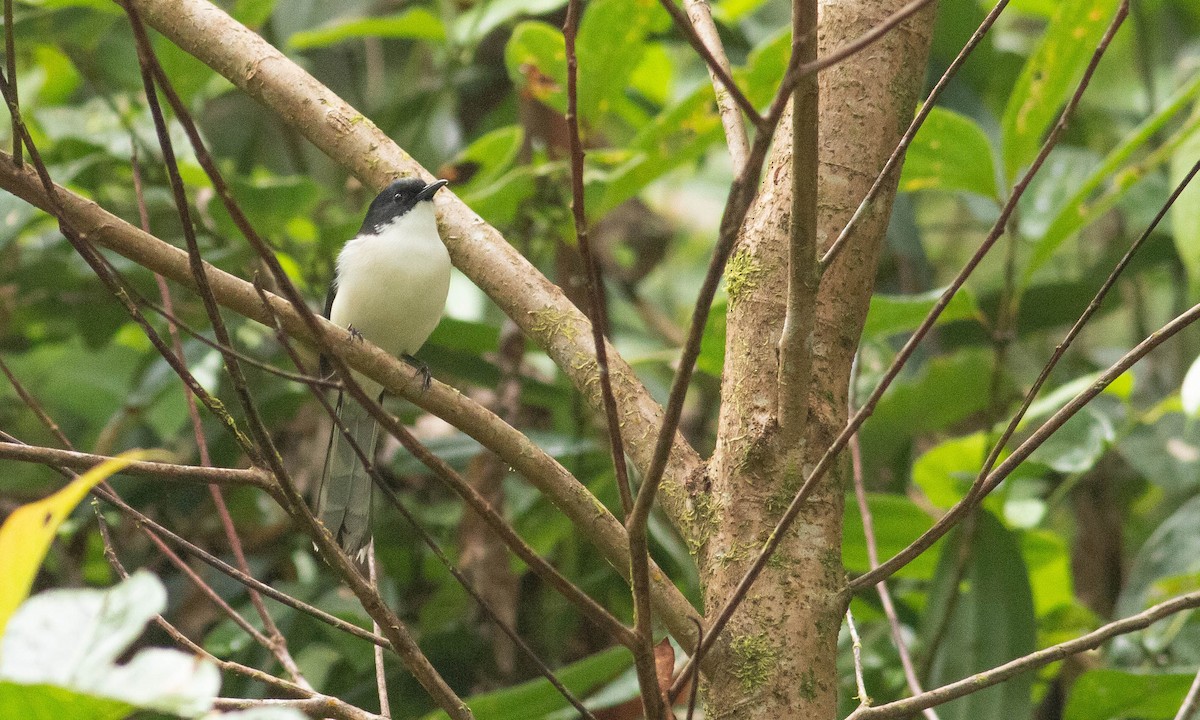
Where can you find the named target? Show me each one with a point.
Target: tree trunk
(783, 639)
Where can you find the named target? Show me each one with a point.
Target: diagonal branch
(533, 464)
(538, 307)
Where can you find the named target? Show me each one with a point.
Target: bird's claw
(422, 369)
(355, 334)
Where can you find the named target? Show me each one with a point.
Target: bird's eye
(396, 196)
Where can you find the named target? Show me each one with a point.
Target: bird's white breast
(392, 286)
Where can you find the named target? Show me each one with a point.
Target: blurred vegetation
(1100, 523)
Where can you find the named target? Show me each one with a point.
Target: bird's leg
(354, 333)
(421, 368)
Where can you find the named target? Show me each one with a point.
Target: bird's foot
(422, 370)
(355, 334)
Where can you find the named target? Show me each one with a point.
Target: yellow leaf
(27, 533)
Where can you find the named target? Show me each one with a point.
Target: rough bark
(783, 639)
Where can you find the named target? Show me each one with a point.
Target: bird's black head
(396, 199)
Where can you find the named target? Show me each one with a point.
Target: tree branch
(169, 472)
(541, 470)
(524, 294)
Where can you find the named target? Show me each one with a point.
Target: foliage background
(1099, 524)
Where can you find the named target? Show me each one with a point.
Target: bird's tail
(345, 499)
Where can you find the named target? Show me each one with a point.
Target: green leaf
(946, 471)
(72, 638)
(892, 314)
(1106, 693)
(50, 702)
(1185, 214)
(1049, 77)
(1078, 444)
(764, 68)
(1110, 180)
(536, 58)
(1172, 550)
(489, 157)
(537, 698)
(897, 522)
(991, 621)
(610, 46)
(487, 15)
(412, 24)
(950, 152)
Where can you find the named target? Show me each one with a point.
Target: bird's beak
(430, 189)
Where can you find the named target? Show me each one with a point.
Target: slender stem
(700, 16)
(10, 61)
(721, 72)
(643, 635)
(169, 472)
(885, 595)
(595, 283)
(385, 706)
(795, 351)
(864, 698)
(1191, 701)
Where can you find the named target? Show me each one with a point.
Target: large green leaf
(537, 698)
(991, 621)
(1049, 77)
(412, 24)
(892, 314)
(950, 152)
(1111, 179)
(536, 57)
(897, 522)
(1106, 693)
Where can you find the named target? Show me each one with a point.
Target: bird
(389, 288)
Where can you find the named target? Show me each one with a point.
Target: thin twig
(885, 595)
(926, 107)
(795, 339)
(10, 61)
(839, 443)
(1032, 661)
(185, 642)
(32, 403)
(170, 472)
(1191, 701)
(385, 706)
(275, 642)
(864, 698)
(700, 15)
(595, 283)
(714, 65)
(643, 646)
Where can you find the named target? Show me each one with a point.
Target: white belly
(391, 287)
